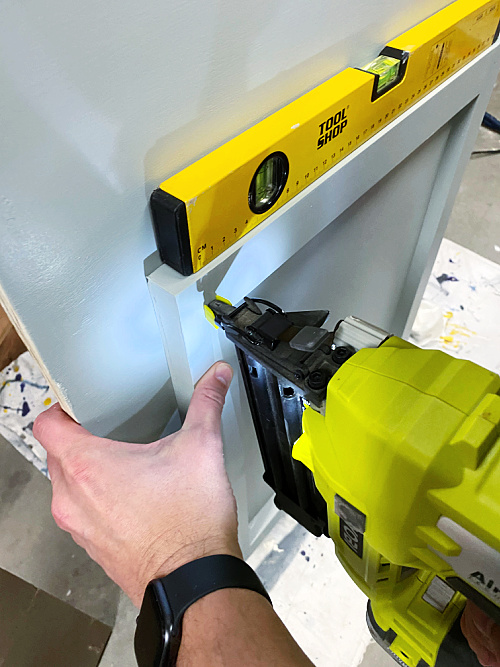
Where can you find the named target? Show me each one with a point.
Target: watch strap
(198, 578)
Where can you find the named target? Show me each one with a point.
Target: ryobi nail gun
(392, 451)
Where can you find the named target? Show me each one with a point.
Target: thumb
(208, 398)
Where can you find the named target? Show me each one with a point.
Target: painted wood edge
(22, 332)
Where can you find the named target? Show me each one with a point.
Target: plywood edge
(32, 349)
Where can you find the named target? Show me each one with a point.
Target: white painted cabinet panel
(99, 102)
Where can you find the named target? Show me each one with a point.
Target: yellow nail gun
(392, 451)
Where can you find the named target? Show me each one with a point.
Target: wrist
(161, 567)
(220, 614)
(168, 601)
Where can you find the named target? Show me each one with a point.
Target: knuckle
(61, 516)
(213, 396)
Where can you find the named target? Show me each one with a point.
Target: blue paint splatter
(25, 409)
(7, 407)
(473, 287)
(19, 378)
(444, 278)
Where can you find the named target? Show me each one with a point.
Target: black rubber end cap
(171, 231)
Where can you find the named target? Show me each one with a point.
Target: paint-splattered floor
(460, 312)
(23, 395)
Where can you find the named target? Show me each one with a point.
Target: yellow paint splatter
(465, 329)
(5, 410)
(447, 339)
(455, 332)
(448, 315)
(47, 401)
(16, 368)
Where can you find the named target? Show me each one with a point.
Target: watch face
(154, 627)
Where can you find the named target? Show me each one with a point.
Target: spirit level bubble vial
(201, 211)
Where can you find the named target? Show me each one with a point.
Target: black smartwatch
(159, 624)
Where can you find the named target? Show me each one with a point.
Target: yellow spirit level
(201, 211)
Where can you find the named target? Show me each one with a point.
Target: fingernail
(224, 373)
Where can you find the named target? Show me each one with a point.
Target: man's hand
(141, 511)
(483, 635)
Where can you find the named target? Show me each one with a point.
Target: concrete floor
(475, 220)
(35, 549)
(31, 545)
